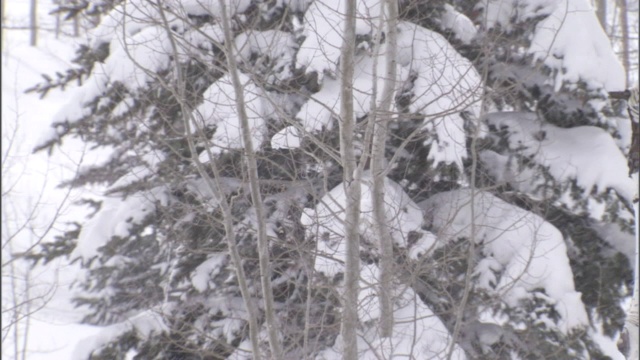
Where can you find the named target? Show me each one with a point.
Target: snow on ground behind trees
(53, 330)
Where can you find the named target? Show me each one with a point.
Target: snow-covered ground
(33, 178)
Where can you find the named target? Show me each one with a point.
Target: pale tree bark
(256, 197)
(216, 188)
(381, 118)
(3, 6)
(33, 23)
(624, 24)
(352, 177)
(632, 323)
(601, 12)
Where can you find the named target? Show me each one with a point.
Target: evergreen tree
(506, 193)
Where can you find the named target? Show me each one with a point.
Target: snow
(586, 154)
(413, 319)
(119, 216)
(201, 38)
(278, 46)
(323, 24)
(446, 83)
(287, 138)
(323, 107)
(577, 55)
(116, 218)
(413, 322)
(461, 25)
(219, 109)
(127, 19)
(207, 270)
(530, 252)
(505, 13)
(134, 61)
(584, 55)
(144, 324)
(326, 222)
(33, 180)
(211, 7)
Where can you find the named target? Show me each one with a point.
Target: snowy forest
(341, 179)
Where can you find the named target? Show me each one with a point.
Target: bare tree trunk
(378, 171)
(601, 11)
(624, 24)
(256, 197)
(352, 182)
(33, 14)
(3, 6)
(57, 25)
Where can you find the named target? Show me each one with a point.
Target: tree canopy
(500, 179)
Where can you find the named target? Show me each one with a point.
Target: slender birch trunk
(378, 171)
(632, 323)
(256, 197)
(624, 24)
(352, 183)
(601, 12)
(3, 6)
(33, 23)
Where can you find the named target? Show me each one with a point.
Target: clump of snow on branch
(208, 269)
(585, 55)
(529, 252)
(413, 323)
(278, 46)
(459, 24)
(116, 217)
(326, 222)
(125, 20)
(323, 24)
(287, 138)
(505, 13)
(132, 65)
(444, 84)
(199, 42)
(144, 324)
(413, 319)
(211, 7)
(219, 110)
(587, 155)
(137, 52)
(324, 106)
